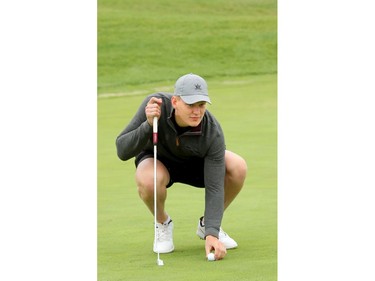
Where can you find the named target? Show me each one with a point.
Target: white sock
(167, 221)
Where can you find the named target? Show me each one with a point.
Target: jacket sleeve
(135, 136)
(214, 171)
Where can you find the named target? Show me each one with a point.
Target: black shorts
(189, 172)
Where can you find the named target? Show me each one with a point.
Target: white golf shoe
(224, 238)
(164, 238)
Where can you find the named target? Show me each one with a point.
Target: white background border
(325, 140)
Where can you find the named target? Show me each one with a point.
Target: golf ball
(211, 257)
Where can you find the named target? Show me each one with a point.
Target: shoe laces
(163, 232)
(222, 233)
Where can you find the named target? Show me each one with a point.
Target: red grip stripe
(155, 138)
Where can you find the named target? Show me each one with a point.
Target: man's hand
(213, 243)
(153, 109)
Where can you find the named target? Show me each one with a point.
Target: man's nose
(195, 109)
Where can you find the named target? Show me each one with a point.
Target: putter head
(160, 262)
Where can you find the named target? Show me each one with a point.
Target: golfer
(191, 150)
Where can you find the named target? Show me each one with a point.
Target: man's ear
(174, 101)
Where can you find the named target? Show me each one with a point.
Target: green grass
(151, 41)
(143, 47)
(246, 108)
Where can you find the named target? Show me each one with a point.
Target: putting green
(247, 109)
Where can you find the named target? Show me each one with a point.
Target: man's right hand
(153, 109)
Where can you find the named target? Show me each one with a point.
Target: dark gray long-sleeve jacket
(205, 141)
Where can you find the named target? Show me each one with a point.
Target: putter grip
(155, 130)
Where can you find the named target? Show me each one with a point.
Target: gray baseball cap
(191, 88)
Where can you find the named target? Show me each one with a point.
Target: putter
(155, 141)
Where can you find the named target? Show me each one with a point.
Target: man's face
(188, 114)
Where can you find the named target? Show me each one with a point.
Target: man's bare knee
(145, 189)
(241, 168)
(145, 178)
(236, 167)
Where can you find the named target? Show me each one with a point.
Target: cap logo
(197, 87)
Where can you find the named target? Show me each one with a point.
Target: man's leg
(144, 178)
(235, 175)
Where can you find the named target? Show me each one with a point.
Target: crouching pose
(191, 150)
